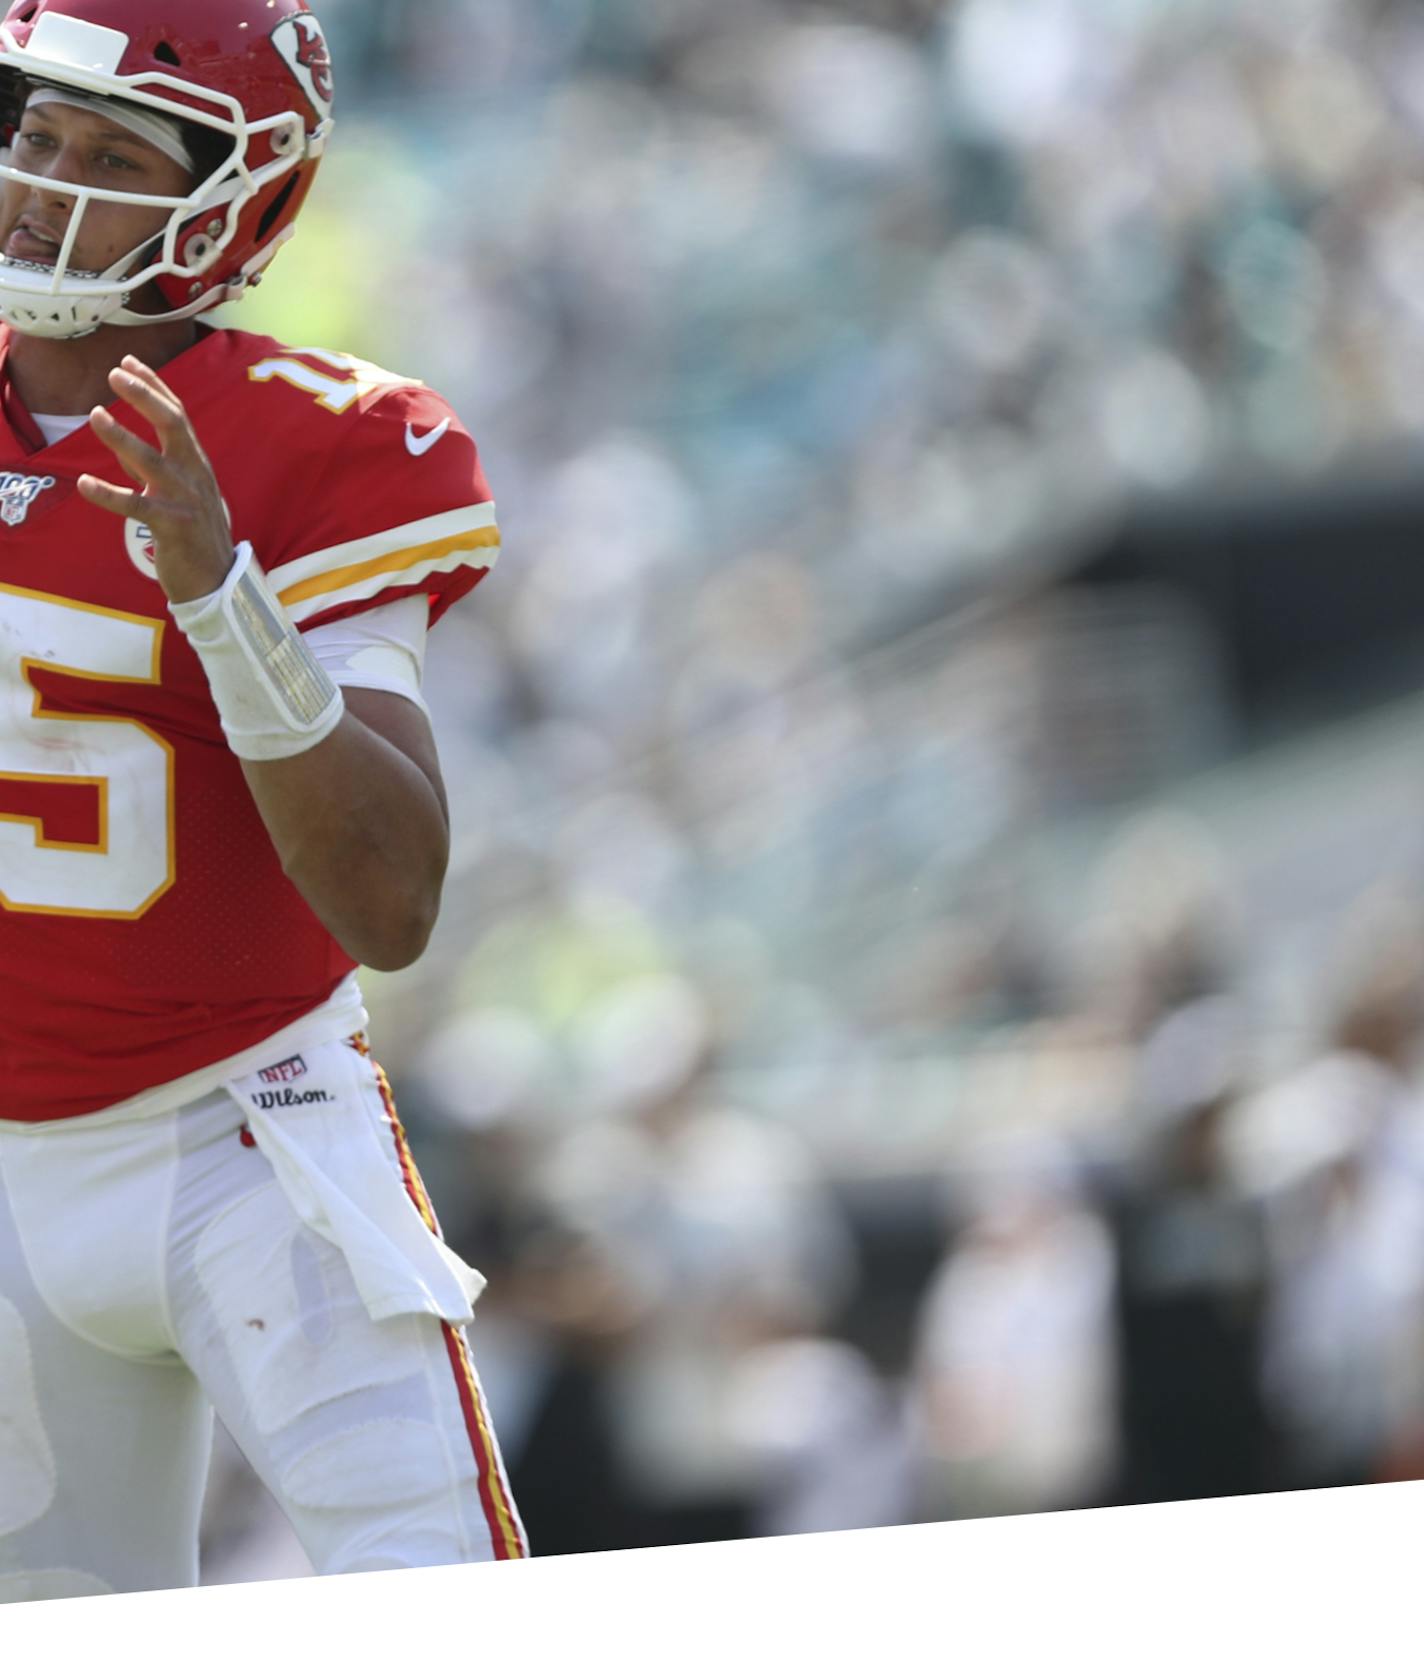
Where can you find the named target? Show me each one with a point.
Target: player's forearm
(361, 832)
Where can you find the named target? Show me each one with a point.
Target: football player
(219, 794)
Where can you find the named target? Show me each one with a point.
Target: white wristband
(273, 698)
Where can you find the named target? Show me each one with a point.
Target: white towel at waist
(357, 1204)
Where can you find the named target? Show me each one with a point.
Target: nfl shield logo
(19, 492)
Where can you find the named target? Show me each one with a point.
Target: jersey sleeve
(398, 507)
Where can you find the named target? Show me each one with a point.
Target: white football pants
(266, 1251)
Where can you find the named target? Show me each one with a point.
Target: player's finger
(143, 395)
(139, 461)
(155, 383)
(182, 438)
(146, 372)
(151, 378)
(168, 420)
(129, 505)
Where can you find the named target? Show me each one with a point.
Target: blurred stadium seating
(927, 1017)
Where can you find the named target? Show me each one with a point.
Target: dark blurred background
(927, 1018)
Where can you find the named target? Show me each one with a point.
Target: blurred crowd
(827, 1171)
(1188, 1260)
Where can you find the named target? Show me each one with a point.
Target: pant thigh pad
(27, 1466)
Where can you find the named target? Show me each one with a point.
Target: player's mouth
(34, 241)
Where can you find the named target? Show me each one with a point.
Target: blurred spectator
(728, 1244)
(558, 1311)
(1337, 1145)
(1015, 1375)
(1192, 1286)
(827, 1435)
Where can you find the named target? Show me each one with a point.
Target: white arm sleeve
(383, 649)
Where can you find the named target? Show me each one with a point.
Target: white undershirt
(56, 428)
(383, 649)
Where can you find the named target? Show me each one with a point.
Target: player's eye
(31, 147)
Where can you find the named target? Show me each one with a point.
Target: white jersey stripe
(438, 528)
(478, 559)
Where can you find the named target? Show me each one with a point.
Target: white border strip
(480, 560)
(477, 517)
(1327, 1574)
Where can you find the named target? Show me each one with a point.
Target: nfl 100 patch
(19, 492)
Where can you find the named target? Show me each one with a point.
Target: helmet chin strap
(67, 317)
(44, 270)
(54, 317)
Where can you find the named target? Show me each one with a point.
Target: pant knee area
(382, 1495)
(403, 1539)
(370, 1467)
(21, 1587)
(28, 1482)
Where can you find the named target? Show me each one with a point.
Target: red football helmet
(249, 80)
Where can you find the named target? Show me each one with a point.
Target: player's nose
(63, 166)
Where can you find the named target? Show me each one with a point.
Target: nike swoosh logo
(420, 446)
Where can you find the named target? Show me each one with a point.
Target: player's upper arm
(405, 726)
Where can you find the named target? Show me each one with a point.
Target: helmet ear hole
(276, 207)
(165, 53)
(27, 12)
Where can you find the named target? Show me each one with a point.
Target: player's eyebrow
(102, 135)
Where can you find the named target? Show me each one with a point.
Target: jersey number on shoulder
(86, 802)
(336, 393)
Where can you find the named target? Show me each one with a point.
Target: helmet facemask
(63, 302)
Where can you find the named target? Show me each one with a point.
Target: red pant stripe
(499, 1510)
(499, 1513)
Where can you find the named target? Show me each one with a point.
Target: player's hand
(178, 499)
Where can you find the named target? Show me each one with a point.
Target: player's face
(59, 143)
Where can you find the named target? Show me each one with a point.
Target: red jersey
(146, 927)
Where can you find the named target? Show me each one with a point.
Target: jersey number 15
(86, 801)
